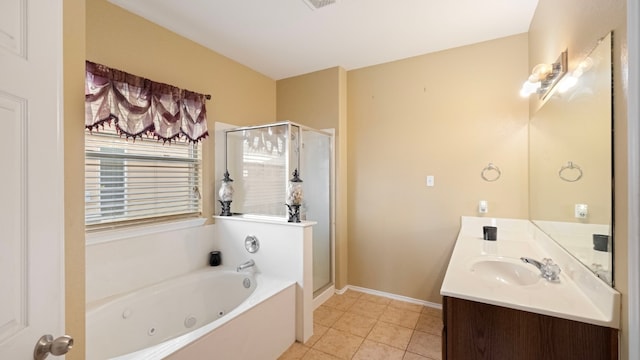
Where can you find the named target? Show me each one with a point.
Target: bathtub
(219, 307)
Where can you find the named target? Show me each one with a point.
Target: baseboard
(389, 295)
(324, 296)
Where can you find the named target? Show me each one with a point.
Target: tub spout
(246, 264)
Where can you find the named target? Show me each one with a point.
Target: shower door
(315, 170)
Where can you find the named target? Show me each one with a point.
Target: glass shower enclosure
(261, 160)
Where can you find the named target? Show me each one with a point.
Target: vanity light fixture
(544, 77)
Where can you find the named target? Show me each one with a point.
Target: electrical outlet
(581, 211)
(483, 207)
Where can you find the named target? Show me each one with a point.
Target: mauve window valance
(140, 106)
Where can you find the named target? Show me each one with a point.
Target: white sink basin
(506, 271)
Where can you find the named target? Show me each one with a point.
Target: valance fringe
(138, 106)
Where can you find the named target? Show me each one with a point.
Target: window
(111, 183)
(135, 181)
(264, 174)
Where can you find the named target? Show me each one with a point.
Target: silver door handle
(47, 345)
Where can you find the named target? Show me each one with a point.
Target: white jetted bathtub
(224, 309)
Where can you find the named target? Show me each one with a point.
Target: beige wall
(73, 68)
(446, 114)
(311, 99)
(318, 100)
(576, 25)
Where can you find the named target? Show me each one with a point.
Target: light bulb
(529, 88)
(567, 83)
(540, 71)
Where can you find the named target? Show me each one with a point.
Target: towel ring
(570, 166)
(488, 169)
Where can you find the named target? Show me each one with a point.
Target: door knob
(47, 345)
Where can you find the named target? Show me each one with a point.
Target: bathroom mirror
(570, 159)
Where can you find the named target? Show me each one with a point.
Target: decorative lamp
(294, 197)
(226, 194)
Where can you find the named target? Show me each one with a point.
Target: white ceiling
(284, 38)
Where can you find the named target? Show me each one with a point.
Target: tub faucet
(246, 264)
(548, 269)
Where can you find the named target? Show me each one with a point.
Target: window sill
(141, 230)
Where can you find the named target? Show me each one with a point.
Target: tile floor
(361, 326)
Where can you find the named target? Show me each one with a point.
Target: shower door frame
(332, 219)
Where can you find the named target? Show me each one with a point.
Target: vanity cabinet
(474, 330)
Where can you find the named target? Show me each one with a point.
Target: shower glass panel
(315, 167)
(257, 161)
(261, 160)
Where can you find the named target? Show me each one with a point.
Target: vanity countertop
(578, 295)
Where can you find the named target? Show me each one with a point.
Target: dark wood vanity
(474, 330)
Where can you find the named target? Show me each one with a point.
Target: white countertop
(579, 295)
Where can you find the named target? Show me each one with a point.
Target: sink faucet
(246, 264)
(600, 272)
(548, 269)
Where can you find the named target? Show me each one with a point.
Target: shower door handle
(47, 345)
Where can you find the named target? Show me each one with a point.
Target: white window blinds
(139, 181)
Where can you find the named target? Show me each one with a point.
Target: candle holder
(226, 194)
(294, 213)
(294, 197)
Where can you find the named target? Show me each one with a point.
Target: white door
(31, 175)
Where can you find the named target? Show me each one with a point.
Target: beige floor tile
(429, 324)
(412, 356)
(339, 344)
(314, 354)
(396, 316)
(432, 311)
(371, 350)
(394, 335)
(426, 345)
(295, 352)
(340, 302)
(318, 331)
(355, 324)
(406, 305)
(375, 299)
(326, 316)
(367, 308)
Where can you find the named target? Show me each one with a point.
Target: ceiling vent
(317, 4)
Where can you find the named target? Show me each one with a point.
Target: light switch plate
(483, 207)
(430, 180)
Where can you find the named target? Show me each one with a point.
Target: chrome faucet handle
(550, 270)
